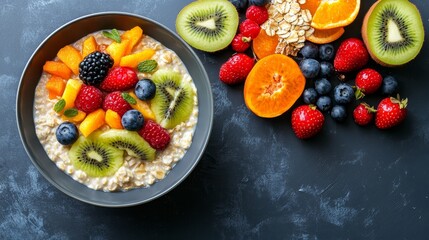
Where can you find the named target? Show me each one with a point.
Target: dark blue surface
(256, 179)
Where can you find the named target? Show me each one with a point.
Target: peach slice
(117, 50)
(133, 35)
(133, 60)
(71, 57)
(57, 69)
(92, 122)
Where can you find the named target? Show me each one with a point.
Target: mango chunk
(57, 69)
(92, 122)
(76, 119)
(71, 57)
(70, 92)
(133, 60)
(117, 51)
(89, 45)
(143, 107)
(55, 86)
(133, 35)
(113, 119)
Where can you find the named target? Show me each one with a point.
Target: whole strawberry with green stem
(391, 112)
(307, 121)
(367, 81)
(363, 114)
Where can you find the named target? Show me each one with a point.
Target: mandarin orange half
(264, 45)
(335, 13)
(273, 85)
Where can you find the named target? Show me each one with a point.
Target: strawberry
(249, 28)
(259, 14)
(390, 112)
(236, 69)
(116, 102)
(351, 55)
(119, 79)
(367, 81)
(307, 121)
(88, 99)
(240, 43)
(155, 135)
(363, 114)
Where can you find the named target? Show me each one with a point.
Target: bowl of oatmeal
(114, 109)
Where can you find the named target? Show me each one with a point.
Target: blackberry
(94, 68)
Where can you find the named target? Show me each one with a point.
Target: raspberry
(94, 67)
(114, 101)
(240, 43)
(249, 28)
(119, 79)
(236, 69)
(155, 135)
(88, 99)
(259, 14)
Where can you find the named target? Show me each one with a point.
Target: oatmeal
(133, 171)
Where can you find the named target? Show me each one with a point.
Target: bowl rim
(205, 138)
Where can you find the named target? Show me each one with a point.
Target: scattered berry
(324, 103)
(259, 14)
(258, 2)
(132, 120)
(88, 99)
(309, 96)
(363, 114)
(239, 4)
(368, 81)
(236, 69)
(309, 67)
(116, 102)
(326, 69)
(66, 133)
(343, 93)
(339, 113)
(310, 50)
(390, 112)
(94, 67)
(145, 89)
(306, 121)
(249, 28)
(155, 135)
(119, 79)
(389, 86)
(240, 43)
(326, 52)
(322, 86)
(351, 55)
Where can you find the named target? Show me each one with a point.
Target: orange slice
(264, 45)
(335, 13)
(326, 36)
(311, 5)
(273, 86)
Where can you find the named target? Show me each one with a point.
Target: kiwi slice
(129, 141)
(95, 158)
(208, 25)
(174, 99)
(393, 32)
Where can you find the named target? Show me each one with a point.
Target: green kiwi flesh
(95, 158)
(174, 99)
(208, 25)
(130, 141)
(393, 32)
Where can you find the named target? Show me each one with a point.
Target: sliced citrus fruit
(273, 86)
(335, 13)
(326, 36)
(264, 45)
(311, 5)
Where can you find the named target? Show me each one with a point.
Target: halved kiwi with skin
(393, 32)
(208, 25)
(95, 158)
(130, 141)
(174, 99)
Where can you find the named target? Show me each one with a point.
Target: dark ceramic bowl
(70, 33)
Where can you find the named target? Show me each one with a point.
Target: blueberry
(326, 69)
(324, 103)
(145, 89)
(309, 67)
(343, 93)
(310, 50)
(326, 52)
(389, 86)
(322, 86)
(309, 96)
(258, 2)
(66, 133)
(132, 120)
(338, 113)
(239, 4)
